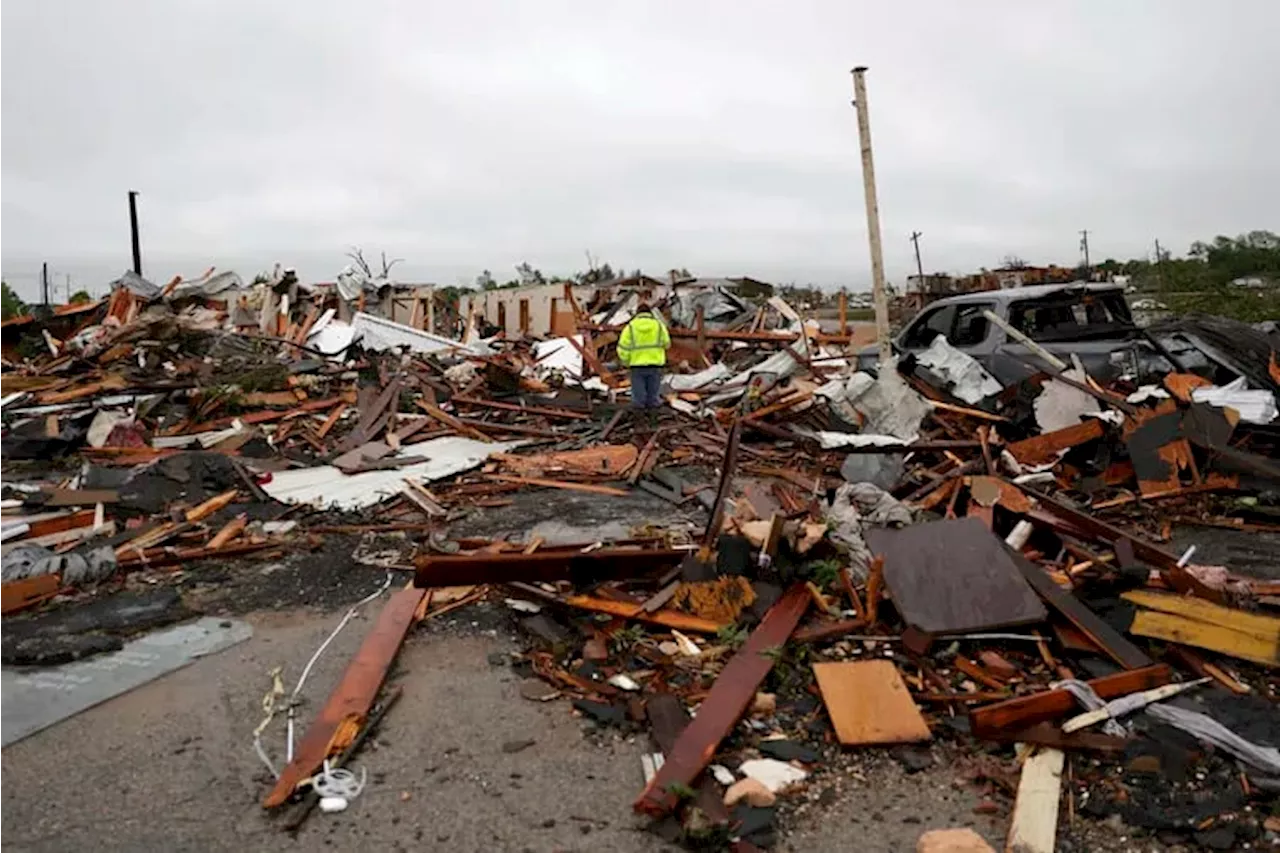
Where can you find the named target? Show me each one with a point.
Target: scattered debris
(983, 537)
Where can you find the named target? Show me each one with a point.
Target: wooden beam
(725, 704)
(560, 484)
(354, 695)
(1024, 711)
(628, 610)
(1085, 620)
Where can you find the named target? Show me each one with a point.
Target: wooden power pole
(915, 241)
(1084, 247)
(873, 214)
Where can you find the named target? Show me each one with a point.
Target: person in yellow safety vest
(642, 347)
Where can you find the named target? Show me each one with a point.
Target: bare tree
(357, 255)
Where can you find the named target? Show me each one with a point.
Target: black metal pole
(133, 229)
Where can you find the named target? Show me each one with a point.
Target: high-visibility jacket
(644, 342)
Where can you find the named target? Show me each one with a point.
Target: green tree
(11, 306)
(80, 297)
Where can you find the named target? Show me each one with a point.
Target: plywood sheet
(953, 576)
(869, 703)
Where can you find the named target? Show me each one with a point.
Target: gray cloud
(716, 135)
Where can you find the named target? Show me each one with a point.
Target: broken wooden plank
(1258, 624)
(1242, 644)
(353, 696)
(868, 703)
(229, 531)
(1024, 711)
(452, 422)
(667, 719)
(1045, 447)
(1089, 623)
(629, 610)
(725, 704)
(609, 460)
(1071, 520)
(560, 484)
(1034, 826)
(28, 592)
(530, 410)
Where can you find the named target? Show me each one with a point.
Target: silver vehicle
(1089, 320)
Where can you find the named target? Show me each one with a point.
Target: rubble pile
(919, 554)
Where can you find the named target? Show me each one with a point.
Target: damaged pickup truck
(1090, 322)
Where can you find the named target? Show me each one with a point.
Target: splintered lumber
(603, 461)
(1044, 447)
(868, 703)
(1070, 520)
(229, 531)
(28, 592)
(1085, 620)
(452, 422)
(1034, 826)
(667, 719)
(354, 695)
(512, 407)
(1239, 634)
(561, 484)
(724, 705)
(543, 566)
(635, 610)
(1024, 711)
(212, 505)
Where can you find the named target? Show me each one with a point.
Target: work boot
(651, 415)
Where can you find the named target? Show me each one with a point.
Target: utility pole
(1160, 264)
(915, 239)
(873, 214)
(133, 231)
(67, 276)
(44, 282)
(1084, 247)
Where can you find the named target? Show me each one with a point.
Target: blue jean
(645, 385)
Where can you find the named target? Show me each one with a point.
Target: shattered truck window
(1072, 316)
(929, 326)
(970, 327)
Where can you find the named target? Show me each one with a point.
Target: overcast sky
(717, 136)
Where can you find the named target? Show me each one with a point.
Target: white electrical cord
(277, 689)
(338, 782)
(302, 679)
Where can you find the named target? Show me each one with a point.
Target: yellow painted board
(1202, 635)
(1255, 624)
(868, 703)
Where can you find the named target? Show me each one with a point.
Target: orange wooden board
(869, 703)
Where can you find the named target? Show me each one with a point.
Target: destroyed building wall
(541, 303)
